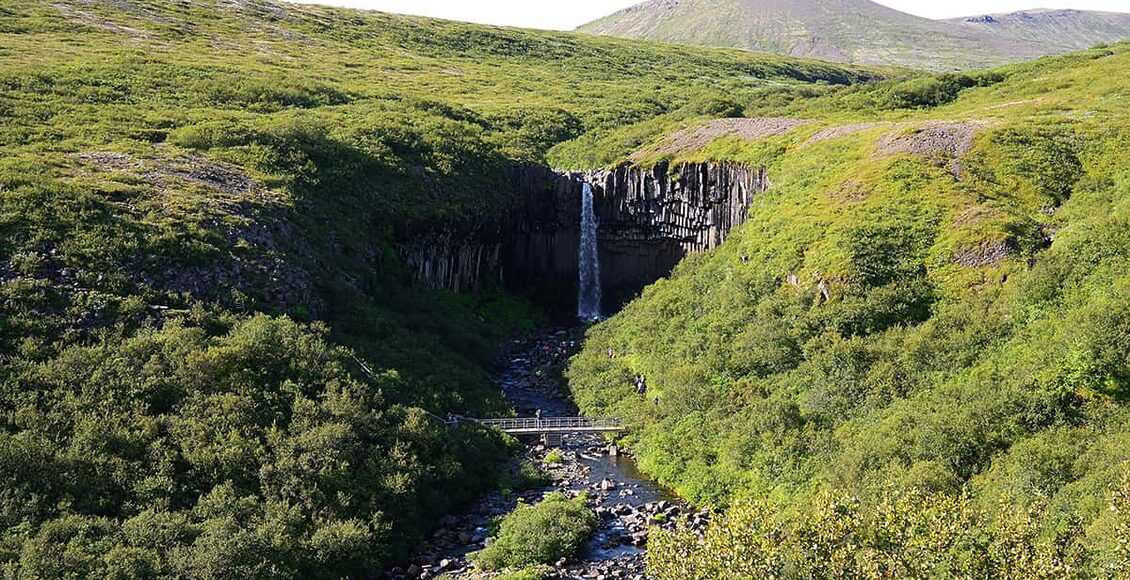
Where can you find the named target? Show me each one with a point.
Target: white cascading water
(588, 297)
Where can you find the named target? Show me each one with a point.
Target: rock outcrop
(650, 219)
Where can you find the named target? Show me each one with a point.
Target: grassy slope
(176, 179)
(1002, 377)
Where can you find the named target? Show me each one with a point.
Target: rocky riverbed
(628, 504)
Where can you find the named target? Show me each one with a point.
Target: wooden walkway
(554, 425)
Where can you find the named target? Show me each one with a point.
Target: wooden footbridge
(554, 425)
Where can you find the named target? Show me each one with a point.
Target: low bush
(554, 457)
(539, 534)
(908, 535)
(527, 476)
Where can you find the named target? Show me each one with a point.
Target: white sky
(568, 14)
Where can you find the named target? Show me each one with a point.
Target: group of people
(641, 384)
(554, 351)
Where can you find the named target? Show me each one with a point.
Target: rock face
(650, 219)
(470, 257)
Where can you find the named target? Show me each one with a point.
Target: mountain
(1056, 31)
(860, 31)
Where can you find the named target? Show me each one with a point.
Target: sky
(566, 15)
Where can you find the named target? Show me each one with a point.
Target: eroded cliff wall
(650, 219)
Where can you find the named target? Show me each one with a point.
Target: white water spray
(588, 297)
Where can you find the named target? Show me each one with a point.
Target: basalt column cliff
(649, 220)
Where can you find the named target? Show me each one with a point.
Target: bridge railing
(554, 423)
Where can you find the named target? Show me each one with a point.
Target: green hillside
(931, 298)
(911, 361)
(213, 361)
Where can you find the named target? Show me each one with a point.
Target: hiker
(537, 418)
(656, 401)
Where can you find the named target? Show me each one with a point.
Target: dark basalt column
(650, 219)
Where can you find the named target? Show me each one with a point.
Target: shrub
(908, 535)
(528, 476)
(720, 107)
(554, 457)
(540, 534)
(1120, 506)
(933, 91)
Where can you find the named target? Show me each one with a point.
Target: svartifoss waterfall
(588, 297)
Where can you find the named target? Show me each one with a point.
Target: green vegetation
(908, 535)
(213, 443)
(539, 534)
(533, 573)
(902, 315)
(214, 360)
(527, 476)
(554, 457)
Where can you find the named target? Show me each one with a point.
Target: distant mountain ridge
(864, 32)
(1064, 30)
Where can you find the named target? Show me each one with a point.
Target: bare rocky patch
(170, 172)
(86, 18)
(694, 138)
(842, 131)
(941, 141)
(987, 253)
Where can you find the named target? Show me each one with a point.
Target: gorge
(650, 218)
(258, 259)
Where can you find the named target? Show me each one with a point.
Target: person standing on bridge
(537, 419)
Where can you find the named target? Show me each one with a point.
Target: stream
(627, 502)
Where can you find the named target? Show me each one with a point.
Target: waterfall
(588, 296)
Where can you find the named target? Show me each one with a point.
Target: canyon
(649, 219)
